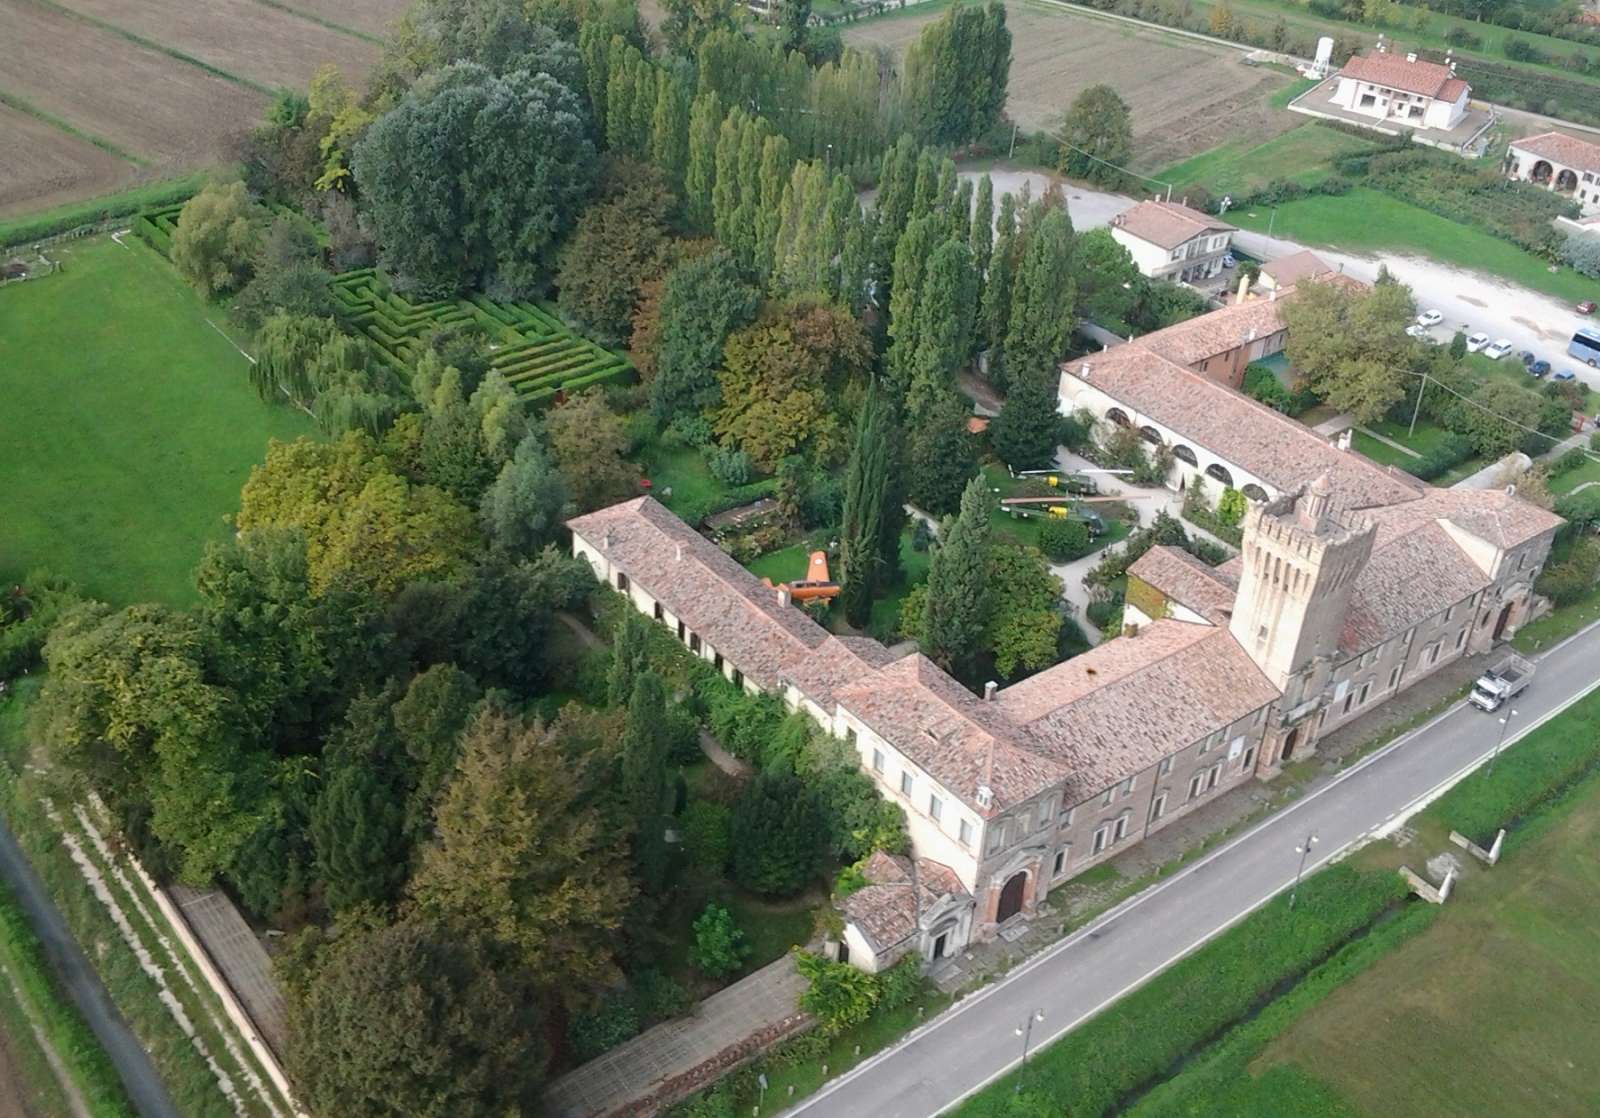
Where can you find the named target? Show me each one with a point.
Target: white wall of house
(1075, 393)
(1413, 109)
(1586, 189)
(1154, 261)
(862, 954)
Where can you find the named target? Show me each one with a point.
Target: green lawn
(784, 565)
(1304, 155)
(1380, 452)
(1490, 1012)
(1567, 482)
(790, 563)
(129, 425)
(1025, 530)
(1366, 220)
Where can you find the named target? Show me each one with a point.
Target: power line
(1056, 136)
(1426, 377)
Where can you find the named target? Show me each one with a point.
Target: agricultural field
(1491, 1011)
(171, 82)
(1304, 154)
(1187, 97)
(129, 425)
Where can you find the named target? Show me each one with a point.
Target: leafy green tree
(472, 179)
(288, 274)
(708, 835)
(358, 818)
(705, 300)
(839, 995)
(1023, 627)
(700, 168)
(995, 312)
(1063, 540)
(981, 239)
(1105, 280)
(719, 946)
(1099, 128)
(618, 244)
(506, 611)
(1027, 431)
(523, 509)
(777, 834)
(958, 584)
(218, 236)
(690, 21)
(943, 456)
(589, 443)
(1042, 300)
(1350, 347)
(783, 376)
(521, 858)
(953, 85)
(866, 482)
(428, 721)
(416, 1020)
(1496, 418)
(1231, 506)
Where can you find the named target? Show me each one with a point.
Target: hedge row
(64, 1030)
(536, 353)
(1097, 1067)
(97, 211)
(1534, 771)
(693, 512)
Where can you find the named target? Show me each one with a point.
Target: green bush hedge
(1535, 770)
(692, 512)
(1140, 1038)
(97, 211)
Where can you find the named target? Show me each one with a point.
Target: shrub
(1573, 576)
(1105, 610)
(777, 835)
(1569, 461)
(838, 995)
(1064, 540)
(1594, 441)
(708, 835)
(901, 983)
(218, 234)
(731, 467)
(719, 946)
(658, 996)
(1461, 37)
(922, 531)
(850, 880)
(613, 1021)
(1231, 506)
(1450, 452)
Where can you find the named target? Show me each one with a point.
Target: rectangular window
(1100, 837)
(660, 614)
(1411, 632)
(1212, 775)
(1433, 652)
(1066, 815)
(1348, 699)
(905, 783)
(681, 631)
(1165, 767)
(1121, 831)
(1105, 801)
(1461, 639)
(694, 643)
(1394, 679)
(1197, 784)
(1249, 756)
(738, 681)
(935, 807)
(716, 661)
(966, 832)
(1061, 861)
(622, 582)
(1158, 807)
(1362, 699)
(1127, 786)
(997, 837)
(877, 760)
(1449, 613)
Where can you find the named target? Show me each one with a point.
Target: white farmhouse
(1171, 241)
(1564, 164)
(1402, 90)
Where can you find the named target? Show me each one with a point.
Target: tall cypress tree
(944, 327)
(982, 236)
(644, 775)
(1041, 300)
(996, 310)
(866, 483)
(700, 172)
(1026, 432)
(911, 255)
(957, 599)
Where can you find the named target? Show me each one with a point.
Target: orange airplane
(816, 584)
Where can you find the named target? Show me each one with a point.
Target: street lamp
(1303, 850)
(1505, 724)
(1025, 1031)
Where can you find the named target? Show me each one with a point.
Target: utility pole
(1505, 724)
(1303, 850)
(1415, 411)
(1013, 150)
(1025, 1031)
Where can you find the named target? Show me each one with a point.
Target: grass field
(1493, 1010)
(1304, 155)
(129, 425)
(1366, 219)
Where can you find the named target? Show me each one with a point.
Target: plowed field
(1186, 96)
(44, 166)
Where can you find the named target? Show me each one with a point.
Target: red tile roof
(1187, 581)
(1168, 224)
(1393, 71)
(1287, 271)
(1559, 148)
(899, 890)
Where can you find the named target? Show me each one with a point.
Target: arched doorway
(1505, 619)
(1289, 744)
(1119, 417)
(1011, 897)
(1541, 172)
(1254, 492)
(1220, 472)
(1566, 182)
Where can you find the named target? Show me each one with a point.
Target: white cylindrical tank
(1319, 68)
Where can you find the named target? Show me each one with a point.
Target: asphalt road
(974, 1042)
(127, 1055)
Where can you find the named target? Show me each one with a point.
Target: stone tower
(1300, 562)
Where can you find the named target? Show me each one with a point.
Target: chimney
(783, 594)
(1244, 285)
(1084, 372)
(1131, 629)
(1411, 56)
(605, 540)
(1381, 47)
(1272, 296)
(1252, 336)
(1344, 438)
(680, 552)
(988, 691)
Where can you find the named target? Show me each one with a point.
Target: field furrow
(44, 165)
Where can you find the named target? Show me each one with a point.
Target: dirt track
(12, 1102)
(1186, 96)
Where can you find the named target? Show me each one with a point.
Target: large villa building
(1354, 582)
(1560, 163)
(1402, 89)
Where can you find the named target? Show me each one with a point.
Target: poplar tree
(911, 255)
(669, 130)
(958, 588)
(943, 333)
(644, 775)
(961, 212)
(700, 170)
(996, 309)
(1041, 300)
(777, 169)
(865, 484)
(982, 230)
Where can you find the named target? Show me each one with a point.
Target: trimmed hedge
(1094, 1069)
(1527, 775)
(97, 211)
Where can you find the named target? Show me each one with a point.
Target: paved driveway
(973, 1043)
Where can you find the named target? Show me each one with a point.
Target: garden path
(1387, 441)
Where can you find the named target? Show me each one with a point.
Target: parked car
(1416, 331)
(1229, 260)
(1566, 374)
(1526, 357)
(1586, 307)
(1475, 342)
(1539, 368)
(1498, 350)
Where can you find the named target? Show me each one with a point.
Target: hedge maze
(539, 356)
